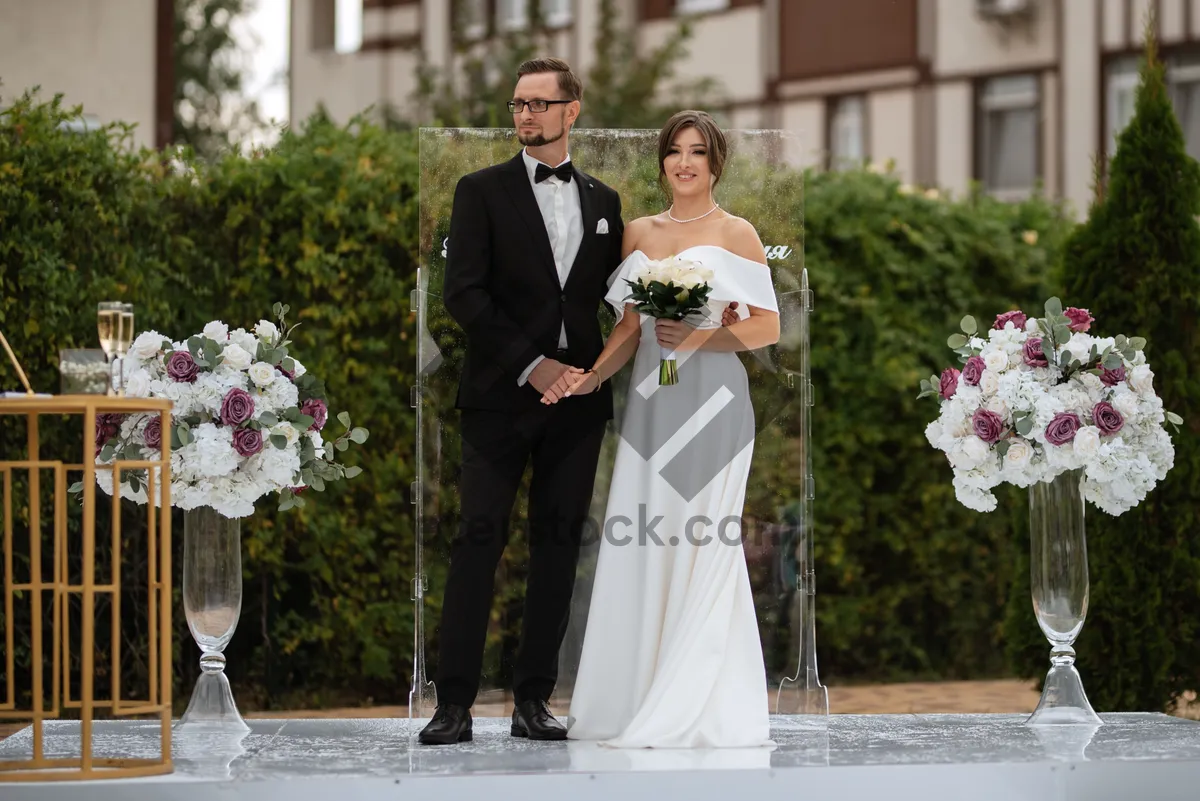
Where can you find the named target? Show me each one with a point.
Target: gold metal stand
(158, 583)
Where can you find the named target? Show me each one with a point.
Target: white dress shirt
(559, 203)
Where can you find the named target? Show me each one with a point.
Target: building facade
(113, 57)
(1013, 94)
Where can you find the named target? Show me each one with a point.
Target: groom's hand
(552, 377)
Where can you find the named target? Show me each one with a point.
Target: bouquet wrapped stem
(668, 370)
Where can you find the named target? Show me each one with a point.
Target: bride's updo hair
(714, 140)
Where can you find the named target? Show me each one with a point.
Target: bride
(671, 655)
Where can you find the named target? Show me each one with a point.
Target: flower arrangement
(669, 289)
(247, 420)
(1037, 397)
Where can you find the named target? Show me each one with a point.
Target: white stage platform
(894, 757)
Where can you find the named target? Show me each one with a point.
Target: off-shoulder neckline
(696, 247)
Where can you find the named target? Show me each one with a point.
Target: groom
(532, 244)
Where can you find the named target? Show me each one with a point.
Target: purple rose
(949, 383)
(988, 425)
(1110, 378)
(247, 441)
(1034, 356)
(1062, 428)
(1080, 319)
(237, 408)
(316, 410)
(973, 370)
(152, 433)
(1107, 419)
(182, 368)
(1017, 318)
(107, 427)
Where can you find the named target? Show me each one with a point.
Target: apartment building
(1010, 93)
(113, 57)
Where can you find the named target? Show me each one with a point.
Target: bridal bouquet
(669, 289)
(1040, 396)
(246, 422)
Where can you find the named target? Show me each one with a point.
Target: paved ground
(950, 697)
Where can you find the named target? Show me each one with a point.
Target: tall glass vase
(1059, 583)
(212, 602)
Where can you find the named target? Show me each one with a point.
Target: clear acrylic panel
(777, 522)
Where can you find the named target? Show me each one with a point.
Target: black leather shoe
(534, 720)
(451, 724)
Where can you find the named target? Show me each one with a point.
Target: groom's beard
(539, 139)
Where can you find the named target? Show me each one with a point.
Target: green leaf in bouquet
(291, 414)
(1094, 371)
(135, 483)
(968, 325)
(306, 475)
(344, 418)
(1019, 413)
(317, 483)
(288, 502)
(1174, 419)
(268, 419)
(279, 441)
(1048, 350)
(75, 488)
(359, 435)
(1064, 358)
(307, 450)
(166, 345)
(1025, 426)
(1120, 340)
(1061, 333)
(106, 453)
(1112, 361)
(298, 501)
(1054, 307)
(303, 422)
(342, 444)
(277, 310)
(353, 472)
(1002, 447)
(288, 364)
(956, 341)
(1137, 343)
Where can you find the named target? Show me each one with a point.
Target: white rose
(1031, 325)
(300, 368)
(975, 449)
(266, 331)
(1127, 404)
(1019, 454)
(989, 382)
(288, 430)
(995, 360)
(262, 374)
(1142, 380)
(236, 357)
(137, 384)
(217, 331)
(147, 345)
(933, 433)
(245, 339)
(1087, 442)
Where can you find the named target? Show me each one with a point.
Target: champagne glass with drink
(124, 338)
(108, 324)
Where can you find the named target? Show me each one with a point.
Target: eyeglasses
(536, 106)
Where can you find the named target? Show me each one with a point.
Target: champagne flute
(108, 323)
(124, 338)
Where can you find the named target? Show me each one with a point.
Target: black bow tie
(563, 171)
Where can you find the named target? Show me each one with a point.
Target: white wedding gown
(671, 653)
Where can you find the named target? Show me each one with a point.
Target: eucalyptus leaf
(352, 472)
(279, 441)
(317, 483)
(288, 502)
(291, 414)
(1174, 418)
(75, 488)
(344, 418)
(304, 421)
(342, 444)
(298, 501)
(1138, 343)
(1048, 350)
(276, 309)
(1112, 361)
(1002, 447)
(1061, 333)
(1025, 426)
(106, 453)
(268, 419)
(359, 435)
(968, 325)
(288, 364)
(1054, 307)
(956, 341)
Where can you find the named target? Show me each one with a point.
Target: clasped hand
(564, 380)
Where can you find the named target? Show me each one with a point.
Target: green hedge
(909, 582)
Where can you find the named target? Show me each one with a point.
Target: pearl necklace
(701, 217)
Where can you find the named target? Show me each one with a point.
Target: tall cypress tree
(1135, 264)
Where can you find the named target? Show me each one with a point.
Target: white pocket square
(602, 226)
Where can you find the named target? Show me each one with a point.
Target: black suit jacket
(502, 286)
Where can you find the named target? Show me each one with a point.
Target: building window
(1008, 142)
(1120, 91)
(847, 131)
(1183, 75)
(699, 6)
(556, 13)
(348, 26)
(512, 15)
(472, 21)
